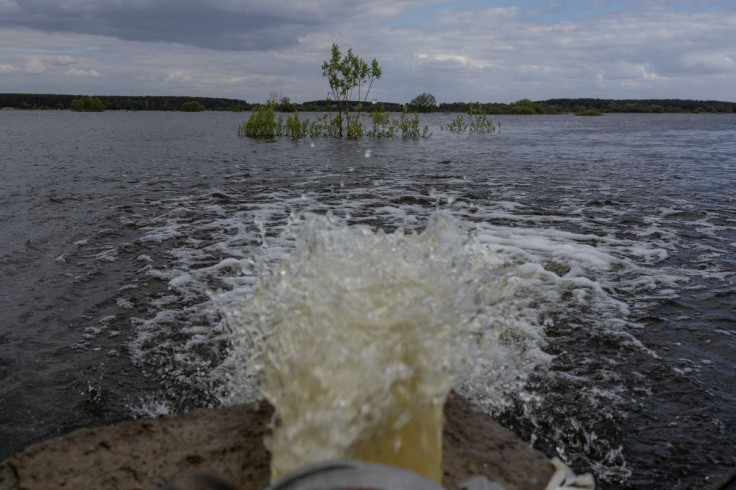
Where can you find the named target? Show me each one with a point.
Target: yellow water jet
(358, 340)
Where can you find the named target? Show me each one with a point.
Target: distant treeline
(323, 105)
(566, 106)
(525, 106)
(120, 102)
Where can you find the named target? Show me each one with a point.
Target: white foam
(574, 265)
(124, 303)
(109, 255)
(149, 406)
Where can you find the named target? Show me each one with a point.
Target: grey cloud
(265, 45)
(213, 25)
(229, 25)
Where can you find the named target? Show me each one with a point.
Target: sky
(462, 50)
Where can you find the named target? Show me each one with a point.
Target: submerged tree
(345, 74)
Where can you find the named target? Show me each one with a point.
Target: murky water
(620, 232)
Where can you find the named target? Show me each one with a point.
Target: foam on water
(614, 271)
(569, 281)
(620, 234)
(360, 320)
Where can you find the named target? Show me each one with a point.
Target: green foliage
(457, 125)
(261, 123)
(385, 127)
(319, 127)
(264, 123)
(410, 126)
(87, 104)
(296, 128)
(478, 121)
(476, 108)
(526, 106)
(353, 126)
(589, 112)
(481, 124)
(551, 106)
(423, 103)
(285, 105)
(192, 106)
(345, 74)
(382, 124)
(163, 103)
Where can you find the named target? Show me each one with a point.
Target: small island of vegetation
(348, 75)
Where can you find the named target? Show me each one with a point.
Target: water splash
(363, 333)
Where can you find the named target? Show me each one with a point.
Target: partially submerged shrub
(481, 124)
(410, 126)
(353, 126)
(345, 74)
(457, 125)
(478, 121)
(296, 128)
(382, 125)
(261, 123)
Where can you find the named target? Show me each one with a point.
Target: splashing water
(358, 339)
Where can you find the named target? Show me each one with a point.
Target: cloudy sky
(491, 51)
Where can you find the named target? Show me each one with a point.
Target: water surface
(115, 226)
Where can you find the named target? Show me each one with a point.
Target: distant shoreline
(525, 106)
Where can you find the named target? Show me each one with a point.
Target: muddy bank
(228, 441)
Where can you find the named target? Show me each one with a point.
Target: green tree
(285, 104)
(423, 103)
(87, 104)
(345, 74)
(192, 106)
(525, 106)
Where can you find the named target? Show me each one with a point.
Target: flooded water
(124, 235)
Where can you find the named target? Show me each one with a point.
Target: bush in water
(478, 121)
